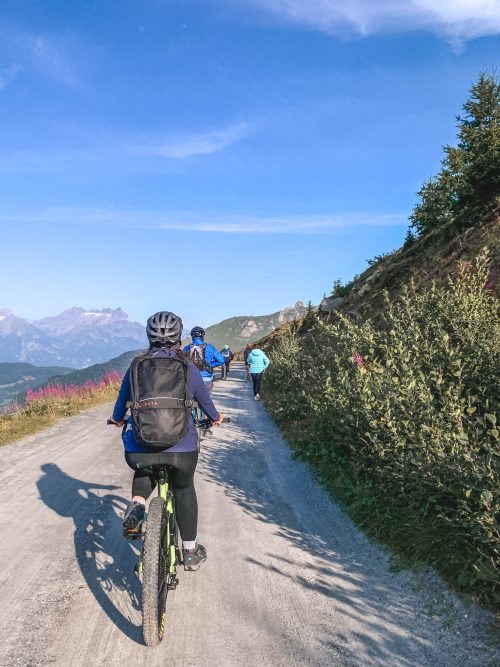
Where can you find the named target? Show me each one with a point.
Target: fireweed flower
(358, 359)
(59, 392)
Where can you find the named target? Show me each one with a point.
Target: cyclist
(228, 357)
(164, 330)
(204, 356)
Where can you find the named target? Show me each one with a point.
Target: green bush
(401, 415)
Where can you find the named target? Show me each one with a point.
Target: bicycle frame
(167, 496)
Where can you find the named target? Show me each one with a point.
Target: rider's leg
(181, 477)
(142, 486)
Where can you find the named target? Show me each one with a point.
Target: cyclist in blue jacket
(204, 356)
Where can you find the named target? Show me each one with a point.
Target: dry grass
(44, 412)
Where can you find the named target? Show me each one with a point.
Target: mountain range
(75, 338)
(78, 338)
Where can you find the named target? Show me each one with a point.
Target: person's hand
(219, 421)
(113, 421)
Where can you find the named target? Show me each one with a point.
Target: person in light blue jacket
(258, 363)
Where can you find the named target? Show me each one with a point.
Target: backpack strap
(160, 402)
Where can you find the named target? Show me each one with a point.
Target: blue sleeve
(213, 357)
(202, 396)
(266, 361)
(186, 348)
(123, 398)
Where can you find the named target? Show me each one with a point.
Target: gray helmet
(164, 328)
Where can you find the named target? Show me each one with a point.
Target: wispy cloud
(47, 53)
(455, 19)
(77, 148)
(51, 58)
(8, 74)
(204, 143)
(207, 222)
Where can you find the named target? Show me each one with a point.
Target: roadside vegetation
(399, 409)
(43, 407)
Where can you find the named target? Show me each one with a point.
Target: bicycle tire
(155, 574)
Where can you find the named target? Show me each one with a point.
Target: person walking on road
(246, 352)
(228, 357)
(258, 362)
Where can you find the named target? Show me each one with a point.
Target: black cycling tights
(181, 477)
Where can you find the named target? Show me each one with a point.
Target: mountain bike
(160, 554)
(158, 558)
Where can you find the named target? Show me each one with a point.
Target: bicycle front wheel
(155, 573)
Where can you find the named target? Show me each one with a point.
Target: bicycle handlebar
(226, 420)
(208, 422)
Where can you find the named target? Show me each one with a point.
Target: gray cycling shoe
(193, 558)
(133, 519)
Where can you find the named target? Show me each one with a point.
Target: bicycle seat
(154, 468)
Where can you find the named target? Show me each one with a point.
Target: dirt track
(289, 580)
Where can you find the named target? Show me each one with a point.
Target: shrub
(401, 414)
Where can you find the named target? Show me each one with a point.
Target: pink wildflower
(492, 280)
(358, 359)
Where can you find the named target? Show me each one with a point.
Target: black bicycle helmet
(197, 332)
(164, 328)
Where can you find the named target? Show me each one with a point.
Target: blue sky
(219, 157)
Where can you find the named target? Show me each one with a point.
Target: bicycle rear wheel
(155, 573)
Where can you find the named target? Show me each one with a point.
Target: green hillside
(96, 371)
(238, 331)
(391, 390)
(16, 378)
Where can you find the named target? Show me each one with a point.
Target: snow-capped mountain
(76, 338)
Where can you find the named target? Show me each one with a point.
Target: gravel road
(289, 580)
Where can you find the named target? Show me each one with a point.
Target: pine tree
(479, 145)
(310, 318)
(468, 184)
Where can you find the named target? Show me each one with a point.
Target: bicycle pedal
(172, 584)
(133, 536)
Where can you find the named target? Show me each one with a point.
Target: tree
(468, 185)
(310, 318)
(479, 145)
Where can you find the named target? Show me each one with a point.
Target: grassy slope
(96, 371)
(434, 257)
(16, 378)
(28, 421)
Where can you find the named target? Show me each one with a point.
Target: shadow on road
(105, 559)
